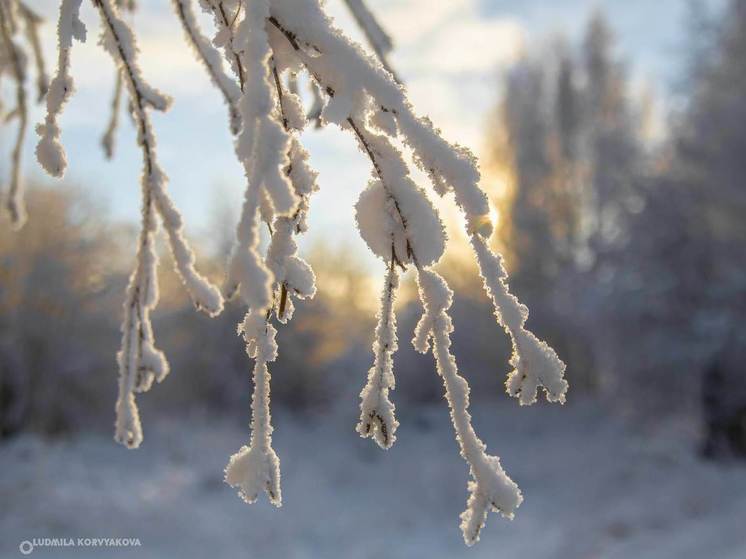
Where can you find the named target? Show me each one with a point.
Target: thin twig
(33, 21)
(199, 42)
(15, 203)
(109, 137)
(229, 26)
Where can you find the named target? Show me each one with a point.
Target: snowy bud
(254, 470)
(409, 218)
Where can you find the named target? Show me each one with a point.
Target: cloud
(449, 37)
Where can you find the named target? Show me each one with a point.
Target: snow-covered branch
(139, 361)
(535, 363)
(379, 40)
(490, 488)
(266, 44)
(225, 16)
(377, 418)
(49, 150)
(396, 217)
(210, 58)
(256, 467)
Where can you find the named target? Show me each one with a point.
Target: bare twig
(15, 203)
(108, 139)
(32, 22)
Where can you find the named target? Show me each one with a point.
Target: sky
(450, 54)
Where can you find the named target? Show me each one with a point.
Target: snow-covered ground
(593, 487)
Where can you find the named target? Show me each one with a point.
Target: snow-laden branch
(394, 215)
(210, 58)
(49, 150)
(447, 165)
(535, 364)
(139, 362)
(256, 467)
(377, 418)
(379, 40)
(408, 212)
(225, 16)
(490, 487)
(267, 43)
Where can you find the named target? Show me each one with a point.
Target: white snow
(534, 362)
(49, 150)
(211, 60)
(262, 41)
(593, 487)
(490, 489)
(256, 467)
(377, 418)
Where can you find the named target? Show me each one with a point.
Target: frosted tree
(254, 59)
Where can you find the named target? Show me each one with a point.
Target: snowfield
(593, 488)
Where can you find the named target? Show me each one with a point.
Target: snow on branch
(136, 355)
(376, 409)
(140, 363)
(396, 217)
(490, 487)
(267, 44)
(49, 150)
(210, 58)
(379, 40)
(256, 467)
(535, 363)
(225, 16)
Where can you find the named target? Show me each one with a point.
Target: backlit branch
(267, 44)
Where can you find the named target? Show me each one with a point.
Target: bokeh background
(612, 136)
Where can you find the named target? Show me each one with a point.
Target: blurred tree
(60, 282)
(538, 217)
(61, 279)
(611, 142)
(574, 153)
(684, 278)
